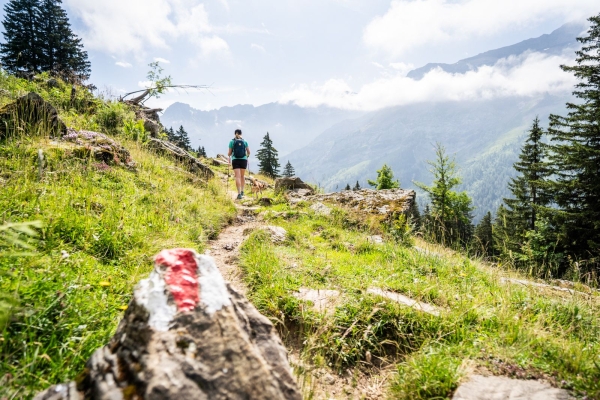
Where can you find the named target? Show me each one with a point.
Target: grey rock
(179, 154)
(375, 239)
(186, 335)
(277, 233)
(502, 388)
(320, 208)
(99, 146)
(291, 183)
(381, 202)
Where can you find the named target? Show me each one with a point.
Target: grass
(101, 225)
(483, 322)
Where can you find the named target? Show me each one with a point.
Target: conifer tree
(576, 156)
(527, 188)
(288, 170)
(385, 179)
(483, 236)
(201, 152)
(450, 215)
(268, 164)
(22, 48)
(357, 186)
(181, 138)
(171, 135)
(347, 187)
(39, 38)
(62, 49)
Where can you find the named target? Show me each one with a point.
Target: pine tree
(483, 236)
(268, 164)
(450, 215)
(181, 139)
(62, 50)
(576, 157)
(357, 186)
(171, 135)
(22, 48)
(39, 38)
(288, 170)
(201, 152)
(527, 188)
(347, 187)
(385, 179)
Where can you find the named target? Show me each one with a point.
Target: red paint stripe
(181, 276)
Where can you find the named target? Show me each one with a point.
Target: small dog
(257, 186)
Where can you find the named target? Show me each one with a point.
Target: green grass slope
(483, 323)
(101, 225)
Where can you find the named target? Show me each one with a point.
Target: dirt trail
(226, 248)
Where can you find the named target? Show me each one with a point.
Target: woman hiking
(238, 159)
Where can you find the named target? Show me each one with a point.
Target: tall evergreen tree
(201, 152)
(268, 163)
(288, 170)
(39, 38)
(347, 187)
(483, 237)
(62, 50)
(357, 186)
(182, 139)
(22, 48)
(449, 221)
(576, 156)
(528, 188)
(171, 135)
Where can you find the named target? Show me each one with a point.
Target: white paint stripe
(151, 293)
(213, 291)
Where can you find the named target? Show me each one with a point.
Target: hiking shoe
(242, 194)
(239, 196)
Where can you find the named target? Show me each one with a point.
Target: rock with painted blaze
(186, 334)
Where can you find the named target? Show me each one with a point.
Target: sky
(349, 54)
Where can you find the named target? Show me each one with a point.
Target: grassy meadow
(483, 323)
(100, 226)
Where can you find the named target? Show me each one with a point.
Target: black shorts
(239, 164)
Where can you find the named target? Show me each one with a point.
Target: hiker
(238, 159)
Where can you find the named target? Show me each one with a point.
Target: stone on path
(186, 335)
(502, 388)
(399, 298)
(322, 299)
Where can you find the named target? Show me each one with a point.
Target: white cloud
(134, 26)
(376, 64)
(213, 44)
(409, 24)
(123, 64)
(402, 68)
(162, 60)
(258, 47)
(527, 75)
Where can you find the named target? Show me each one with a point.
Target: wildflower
(104, 284)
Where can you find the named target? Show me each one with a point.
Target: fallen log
(191, 162)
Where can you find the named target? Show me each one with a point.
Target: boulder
(217, 162)
(186, 335)
(277, 233)
(99, 146)
(189, 161)
(480, 387)
(291, 183)
(320, 208)
(28, 111)
(380, 202)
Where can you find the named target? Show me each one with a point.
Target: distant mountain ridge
(553, 43)
(289, 125)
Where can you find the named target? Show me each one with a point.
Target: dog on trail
(257, 186)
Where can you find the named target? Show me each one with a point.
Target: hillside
(102, 221)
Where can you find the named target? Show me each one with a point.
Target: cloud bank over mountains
(409, 24)
(529, 74)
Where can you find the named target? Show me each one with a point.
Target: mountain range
(332, 147)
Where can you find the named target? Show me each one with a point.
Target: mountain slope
(484, 135)
(553, 43)
(289, 126)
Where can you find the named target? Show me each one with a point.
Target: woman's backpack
(239, 148)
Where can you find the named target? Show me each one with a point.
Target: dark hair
(237, 131)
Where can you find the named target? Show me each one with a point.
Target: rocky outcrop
(382, 202)
(98, 146)
(189, 161)
(26, 113)
(291, 183)
(499, 387)
(186, 335)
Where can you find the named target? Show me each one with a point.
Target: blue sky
(342, 53)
